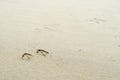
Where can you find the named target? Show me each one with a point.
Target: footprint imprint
(55, 59)
(97, 20)
(26, 56)
(42, 52)
(52, 27)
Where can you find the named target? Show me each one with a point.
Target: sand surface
(81, 36)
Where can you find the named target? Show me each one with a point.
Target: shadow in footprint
(26, 56)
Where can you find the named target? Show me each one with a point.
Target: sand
(81, 36)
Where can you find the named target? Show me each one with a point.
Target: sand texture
(80, 39)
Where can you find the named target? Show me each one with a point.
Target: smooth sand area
(81, 36)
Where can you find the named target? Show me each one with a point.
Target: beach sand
(81, 36)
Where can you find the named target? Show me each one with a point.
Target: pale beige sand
(82, 37)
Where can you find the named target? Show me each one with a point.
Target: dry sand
(81, 36)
